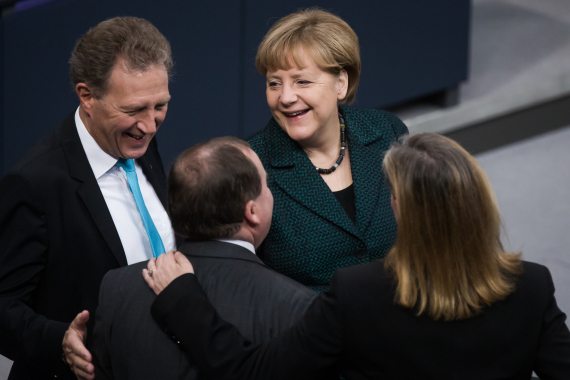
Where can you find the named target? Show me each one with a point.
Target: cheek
(272, 97)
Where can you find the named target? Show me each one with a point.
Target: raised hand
(163, 270)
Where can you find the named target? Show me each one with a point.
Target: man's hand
(165, 269)
(76, 355)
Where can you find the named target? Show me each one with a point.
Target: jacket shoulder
(45, 152)
(260, 141)
(535, 278)
(369, 122)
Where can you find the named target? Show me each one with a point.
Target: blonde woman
(447, 303)
(323, 159)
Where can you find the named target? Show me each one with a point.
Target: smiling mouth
(134, 136)
(293, 114)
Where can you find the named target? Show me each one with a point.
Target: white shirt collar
(99, 160)
(241, 243)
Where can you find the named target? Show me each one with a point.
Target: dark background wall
(409, 48)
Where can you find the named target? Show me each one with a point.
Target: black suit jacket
(128, 344)
(57, 241)
(357, 327)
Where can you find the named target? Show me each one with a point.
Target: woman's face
(304, 100)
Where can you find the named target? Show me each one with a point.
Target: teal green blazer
(311, 235)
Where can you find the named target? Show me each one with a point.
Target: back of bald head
(209, 185)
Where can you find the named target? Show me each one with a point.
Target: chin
(299, 133)
(134, 153)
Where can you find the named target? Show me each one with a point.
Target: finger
(79, 352)
(149, 280)
(159, 260)
(78, 363)
(151, 264)
(74, 345)
(82, 318)
(84, 375)
(184, 263)
(180, 258)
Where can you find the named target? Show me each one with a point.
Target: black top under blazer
(127, 342)
(57, 241)
(358, 329)
(311, 235)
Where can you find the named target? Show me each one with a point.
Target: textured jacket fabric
(57, 241)
(311, 235)
(358, 329)
(127, 342)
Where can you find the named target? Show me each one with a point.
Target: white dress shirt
(247, 245)
(121, 203)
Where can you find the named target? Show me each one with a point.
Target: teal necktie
(151, 231)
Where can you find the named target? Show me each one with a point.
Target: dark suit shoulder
(534, 284)
(44, 151)
(255, 275)
(125, 274)
(257, 300)
(365, 273)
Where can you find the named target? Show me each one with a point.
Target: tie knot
(127, 165)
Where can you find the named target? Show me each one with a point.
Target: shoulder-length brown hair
(448, 259)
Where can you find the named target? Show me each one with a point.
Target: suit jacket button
(360, 253)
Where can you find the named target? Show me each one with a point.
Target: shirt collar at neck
(99, 160)
(247, 245)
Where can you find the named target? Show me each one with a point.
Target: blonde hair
(448, 259)
(326, 38)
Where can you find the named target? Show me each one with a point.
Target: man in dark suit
(219, 200)
(88, 198)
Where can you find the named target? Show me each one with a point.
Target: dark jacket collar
(286, 152)
(369, 134)
(218, 249)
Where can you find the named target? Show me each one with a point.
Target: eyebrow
(295, 76)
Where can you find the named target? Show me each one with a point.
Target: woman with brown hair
(323, 159)
(447, 303)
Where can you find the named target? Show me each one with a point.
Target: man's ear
(342, 84)
(252, 213)
(86, 97)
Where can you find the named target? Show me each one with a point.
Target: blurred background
(492, 74)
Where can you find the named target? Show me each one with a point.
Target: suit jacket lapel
(364, 142)
(89, 190)
(294, 173)
(152, 169)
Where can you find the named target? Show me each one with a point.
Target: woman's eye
(272, 84)
(303, 82)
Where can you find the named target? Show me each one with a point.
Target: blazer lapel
(152, 169)
(366, 149)
(294, 173)
(89, 190)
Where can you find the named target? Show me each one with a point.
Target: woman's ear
(251, 213)
(342, 84)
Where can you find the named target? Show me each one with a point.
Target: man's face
(264, 201)
(126, 118)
